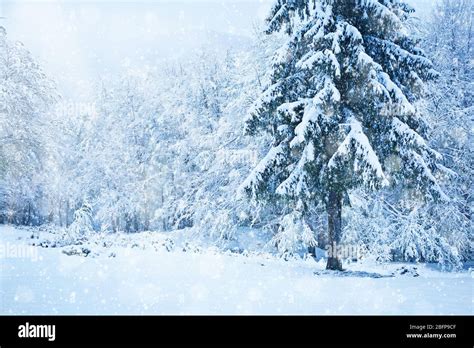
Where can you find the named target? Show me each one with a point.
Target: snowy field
(150, 274)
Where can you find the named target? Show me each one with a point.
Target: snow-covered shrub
(82, 224)
(293, 235)
(407, 231)
(455, 226)
(219, 225)
(417, 238)
(368, 227)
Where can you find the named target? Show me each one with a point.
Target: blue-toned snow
(136, 274)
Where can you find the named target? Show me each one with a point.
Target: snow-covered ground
(147, 273)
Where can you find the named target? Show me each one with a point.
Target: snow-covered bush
(82, 224)
(415, 239)
(293, 235)
(407, 231)
(219, 225)
(368, 226)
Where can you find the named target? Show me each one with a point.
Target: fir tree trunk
(60, 214)
(67, 213)
(334, 210)
(29, 214)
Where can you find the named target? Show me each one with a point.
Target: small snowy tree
(82, 224)
(416, 238)
(293, 234)
(341, 107)
(369, 226)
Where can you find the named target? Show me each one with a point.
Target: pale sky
(77, 41)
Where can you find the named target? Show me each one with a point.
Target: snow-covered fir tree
(397, 229)
(82, 224)
(341, 107)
